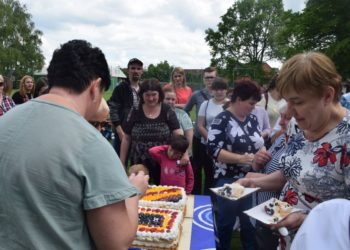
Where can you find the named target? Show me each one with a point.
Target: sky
(151, 30)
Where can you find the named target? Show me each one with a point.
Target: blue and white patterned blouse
(320, 170)
(276, 150)
(227, 132)
(345, 100)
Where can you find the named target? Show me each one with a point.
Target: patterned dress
(146, 133)
(227, 132)
(320, 170)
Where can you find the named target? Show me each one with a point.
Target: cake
(170, 197)
(158, 228)
(233, 190)
(277, 209)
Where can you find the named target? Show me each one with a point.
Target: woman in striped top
(266, 162)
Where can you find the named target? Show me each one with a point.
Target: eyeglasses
(1, 84)
(209, 77)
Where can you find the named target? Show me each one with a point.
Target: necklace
(151, 114)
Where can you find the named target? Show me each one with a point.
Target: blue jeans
(224, 217)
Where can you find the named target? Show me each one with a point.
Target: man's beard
(135, 78)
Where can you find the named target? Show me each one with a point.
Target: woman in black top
(152, 124)
(26, 90)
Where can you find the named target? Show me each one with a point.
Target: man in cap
(124, 97)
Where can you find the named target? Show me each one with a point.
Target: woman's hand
(185, 159)
(292, 221)
(246, 182)
(261, 158)
(246, 159)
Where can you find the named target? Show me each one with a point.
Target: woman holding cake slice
(266, 162)
(316, 164)
(233, 139)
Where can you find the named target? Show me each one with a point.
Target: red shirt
(182, 93)
(172, 174)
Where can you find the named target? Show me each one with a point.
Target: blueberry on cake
(277, 209)
(164, 197)
(158, 227)
(233, 190)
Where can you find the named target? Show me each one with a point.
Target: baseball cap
(135, 61)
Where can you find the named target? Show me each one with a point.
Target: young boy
(168, 157)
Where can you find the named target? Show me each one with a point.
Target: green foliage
(20, 42)
(246, 36)
(324, 25)
(161, 71)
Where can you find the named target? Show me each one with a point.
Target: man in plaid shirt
(6, 103)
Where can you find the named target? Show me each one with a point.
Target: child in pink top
(168, 157)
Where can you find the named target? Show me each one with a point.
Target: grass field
(107, 94)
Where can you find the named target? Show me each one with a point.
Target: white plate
(246, 192)
(259, 213)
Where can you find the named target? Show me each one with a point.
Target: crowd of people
(77, 190)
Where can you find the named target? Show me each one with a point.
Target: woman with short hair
(207, 112)
(233, 139)
(152, 124)
(316, 164)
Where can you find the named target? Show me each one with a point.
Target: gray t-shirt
(53, 166)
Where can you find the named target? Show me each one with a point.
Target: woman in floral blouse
(233, 139)
(316, 164)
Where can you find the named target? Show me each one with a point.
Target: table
(202, 227)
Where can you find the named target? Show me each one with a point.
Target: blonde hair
(22, 90)
(180, 71)
(310, 71)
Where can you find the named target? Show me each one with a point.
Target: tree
(20, 42)
(246, 35)
(324, 25)
(161, 71)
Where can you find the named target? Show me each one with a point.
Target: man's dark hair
(151, 84)
(75, 64)
(209, 69)
(179, 143)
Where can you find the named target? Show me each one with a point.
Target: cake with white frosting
(158, 228)
(164, 197)
(233, 190)
(277, 209)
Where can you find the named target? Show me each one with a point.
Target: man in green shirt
(62, 184)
